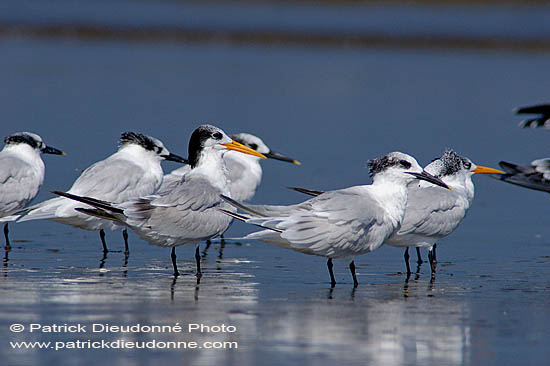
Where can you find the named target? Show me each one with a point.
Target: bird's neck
(27, 154)
(148, 161)
(392, 197)
(210, 165)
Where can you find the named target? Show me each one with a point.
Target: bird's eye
(467, 165)
(405, 164)
(217, 135)
(254, 146)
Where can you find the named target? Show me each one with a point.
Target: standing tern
(342, 223)
(433, 213)
(244, 171)
(21, 173)
(133, 171)
(189, 212)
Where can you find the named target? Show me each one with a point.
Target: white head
(150, 144)
(253, 142)
(456, 170)
(399, 168)
(31, 141)
(208, 139)
(256, 143)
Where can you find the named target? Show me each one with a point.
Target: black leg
(406, 256)
(198, 261)
(125, 236)
(352, 269)
(332, 280)
(102, 237)
(176, 273)
(6, 235)
(418, 256)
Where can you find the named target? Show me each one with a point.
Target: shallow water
(330, 107)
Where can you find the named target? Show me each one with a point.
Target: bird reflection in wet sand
(173, 289)
(342, 223)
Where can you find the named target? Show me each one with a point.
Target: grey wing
(19, 184)
(171, 180)
(535, 176)
(335, 224)
(114, 180)
(433, 211)
(187, 213)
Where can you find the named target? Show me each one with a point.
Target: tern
(21, 173)
(189, 212)
(244, 171)
(342, 223)
(133, 171)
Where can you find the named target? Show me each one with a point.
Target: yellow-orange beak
(485, 170)
(234, 145)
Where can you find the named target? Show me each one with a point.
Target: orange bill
(485, 170)
(234, 145)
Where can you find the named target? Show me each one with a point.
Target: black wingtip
(240, 206)
(102, 214)
(509, 167)
(310, 192)
(534, 109)
(90, 201)
(234, 215)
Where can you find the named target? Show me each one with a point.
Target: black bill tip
(281, 157)
(430, 178)
(52, 150)
(175, 158)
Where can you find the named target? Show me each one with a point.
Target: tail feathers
(310, 192)
(104, 205)
(41, 211)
